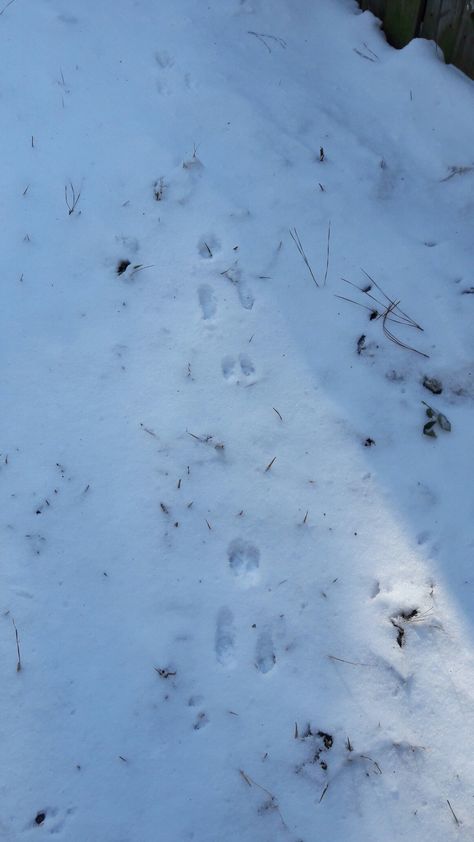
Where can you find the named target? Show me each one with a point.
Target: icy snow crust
(240, 574)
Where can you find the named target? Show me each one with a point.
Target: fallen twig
(457, 171)
(323, 793)
(147, 430)
(18, 664)
(273, 801)
(353, 663)
(454, 814)
(327, 255)
(207, 440)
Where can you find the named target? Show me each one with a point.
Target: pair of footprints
(244, 562)
(264, 658)
(170, 80)
(238, 371)
(208, 300)
(202, 718)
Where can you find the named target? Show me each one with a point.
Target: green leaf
(428, 429)
(444, 423)
(430, 412)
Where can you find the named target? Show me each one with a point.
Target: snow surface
(209, 639)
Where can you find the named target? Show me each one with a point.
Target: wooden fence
(448, 22)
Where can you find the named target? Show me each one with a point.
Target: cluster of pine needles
(387, 310)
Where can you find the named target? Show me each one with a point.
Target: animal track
(244, 559)
(164, 62)
(194, 701)
(246, 365)
(207, 300)
(247, 369)
(208, 246)
(265, 658)
(201, 721)
(225, 637)
(228, 367)
(164, 59)
(234, 275)
(246, 297)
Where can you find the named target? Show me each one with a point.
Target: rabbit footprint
(225, 637)
(244, 560)
(238, 373)
(207, 301)
(265, 658)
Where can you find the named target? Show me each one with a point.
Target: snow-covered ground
(240, 575)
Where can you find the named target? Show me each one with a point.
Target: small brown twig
(207, 440)
(454, 814)
(323, 793)
(270, 464)
(147, 430)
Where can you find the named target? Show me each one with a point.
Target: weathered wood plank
(448, 22)
(402, 20)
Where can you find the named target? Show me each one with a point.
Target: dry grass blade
(457, 171)
(361, 54)
(454, 814)
(353, 663)
(324, 793)
(71, 197)
(394, 338)
(408, 318)
(261, 37)
(245, 778)
(390, 311)
(376, 765)
(327, 255)
(18, 663)
(295, 237)
(6, 6)
(351, 300)
(273, 803)
(366, 292)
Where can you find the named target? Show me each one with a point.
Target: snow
(209, 564)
